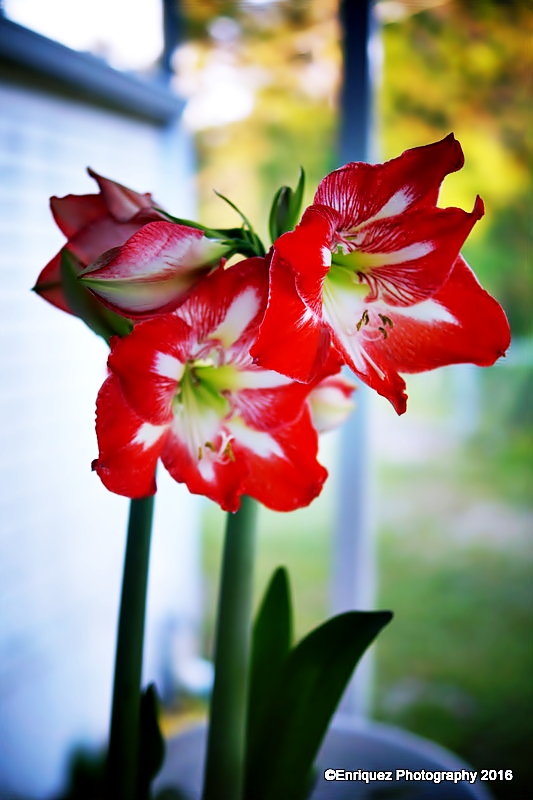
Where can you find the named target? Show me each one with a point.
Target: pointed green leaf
(232, 205)
(211, 233)
(84, 305)
(248, 231)
(151, 742)
(231, 233)
(286, 207)
(296, 200)
(243, 241)
(278, 212)
(308, 690)
(271, 642)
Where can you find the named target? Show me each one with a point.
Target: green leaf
(243, 240)
(248, 231)
(84, 305)
(86, 773)
(151, 742)
(297, 198)
(301, 705)
(286, 207)
(278, 212)
(211, 233)
(271, 642)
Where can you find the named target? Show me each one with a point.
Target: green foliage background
(467, 67)
(458, 65)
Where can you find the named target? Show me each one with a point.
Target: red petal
(74, 212)
(361, 191)
(121, 202)
(374, 366)
(419, 249)
(48, 284)
(147, 364)
(283, 481)
(290, 480)
(86, 244)
(269, 409)
(462, 323)
(307, 250)
(228, 305)
(292, 339)
(480, 335)
(127, 452)
(220, 481)
(152, 272)
(102, 235)
(161, 242)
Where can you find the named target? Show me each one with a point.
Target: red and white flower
(93, 223)
(154, 270)
(183, 388)
(374, 269)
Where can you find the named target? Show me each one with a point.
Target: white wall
(62, 534)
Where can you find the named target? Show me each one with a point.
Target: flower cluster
(229, 371)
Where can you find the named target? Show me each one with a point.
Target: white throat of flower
(201, 403)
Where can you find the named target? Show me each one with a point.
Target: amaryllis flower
(92, 224)
(374, 269)
(183, 388)
(154, 270)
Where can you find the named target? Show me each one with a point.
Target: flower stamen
(365, 319)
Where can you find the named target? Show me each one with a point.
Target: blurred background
(448, 486)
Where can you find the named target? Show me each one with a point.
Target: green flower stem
(122, 759)
(226, 736)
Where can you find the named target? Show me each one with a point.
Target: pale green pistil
(345, 279)
(353, 261)
(203, 388)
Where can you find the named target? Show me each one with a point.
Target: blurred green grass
(456, 664)
(455, 562)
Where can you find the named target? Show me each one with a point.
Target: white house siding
(62, 534)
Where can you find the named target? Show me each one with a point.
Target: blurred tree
(467, 67)
(448, 65)
(286, 56)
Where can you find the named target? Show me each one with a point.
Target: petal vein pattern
(397, 204)
(412, 252)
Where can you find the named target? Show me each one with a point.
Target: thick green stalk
(122, 760)
(227, 720)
